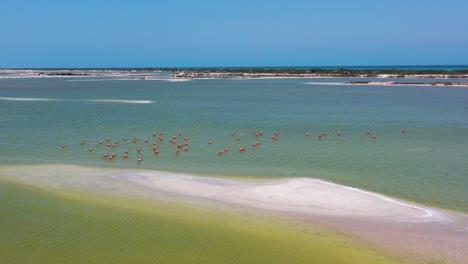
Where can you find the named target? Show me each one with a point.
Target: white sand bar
(296, 195)
(396, 225)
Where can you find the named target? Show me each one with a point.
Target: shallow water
(42, 225)
(427, 164)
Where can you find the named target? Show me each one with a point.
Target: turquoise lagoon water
(428, 164)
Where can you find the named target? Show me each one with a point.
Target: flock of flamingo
(185, 144)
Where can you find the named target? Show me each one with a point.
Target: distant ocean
(361, 67)
(427, 164)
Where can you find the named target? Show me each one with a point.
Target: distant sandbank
(442, 78)
(176, 74)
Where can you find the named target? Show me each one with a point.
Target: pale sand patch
(120, 101)
(135, 78)
(26, 99)
(297, 195)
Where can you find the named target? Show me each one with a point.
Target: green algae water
(44, 225)
(427, 164)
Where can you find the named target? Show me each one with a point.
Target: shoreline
(242, 76)
(382, 83)
(374, 218)
(174, 74)
(129, 77)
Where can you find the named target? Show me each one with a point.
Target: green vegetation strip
(319, 71)
(44, 225)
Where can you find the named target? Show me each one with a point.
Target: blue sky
(232, 33)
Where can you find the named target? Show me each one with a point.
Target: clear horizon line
(251, 66)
